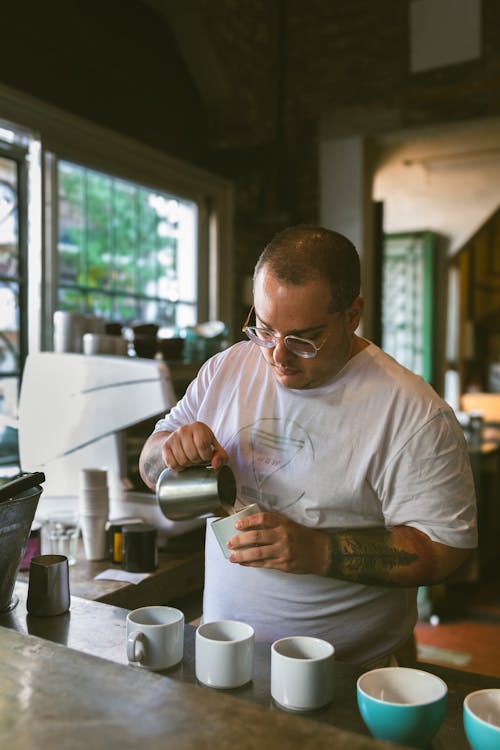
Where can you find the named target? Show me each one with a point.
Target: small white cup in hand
(224, 528)
(155, 637)
(302, 673)
(224, 653)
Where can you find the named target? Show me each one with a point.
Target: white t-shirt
(373, 447)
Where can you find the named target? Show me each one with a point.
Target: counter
(53, 697)
(66, 696)
(180, 573)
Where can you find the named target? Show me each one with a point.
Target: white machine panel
(72, 411)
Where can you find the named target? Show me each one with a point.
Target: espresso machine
(94, 411)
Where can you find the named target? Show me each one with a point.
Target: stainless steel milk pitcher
(196, 492)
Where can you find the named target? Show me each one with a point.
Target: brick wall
(118, 63)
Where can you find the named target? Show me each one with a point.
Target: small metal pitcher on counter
(196, 492)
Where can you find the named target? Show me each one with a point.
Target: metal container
(48, 588)
(196, 492)
(16, 518)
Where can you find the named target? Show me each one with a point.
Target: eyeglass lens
(300, 347)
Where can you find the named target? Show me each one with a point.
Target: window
(125, 252)
(93, 221)
(12, 289)
(407, 300)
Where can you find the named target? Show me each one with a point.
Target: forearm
(399, 556)
(151, 461)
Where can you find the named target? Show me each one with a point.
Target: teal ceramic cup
(482, 719)
(402, 705)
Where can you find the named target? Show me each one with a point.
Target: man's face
(304, 310)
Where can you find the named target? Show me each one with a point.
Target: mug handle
(135, 646)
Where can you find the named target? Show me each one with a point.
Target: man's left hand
(274, 541)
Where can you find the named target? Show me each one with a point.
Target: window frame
(67, 137)
(18, 155)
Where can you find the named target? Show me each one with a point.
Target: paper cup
(94, 536)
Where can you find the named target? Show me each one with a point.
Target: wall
(445, 179)
(110, 62)
(243, 87)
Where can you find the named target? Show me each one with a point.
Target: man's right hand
(191, 445)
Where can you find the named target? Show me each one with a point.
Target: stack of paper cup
(93, 506)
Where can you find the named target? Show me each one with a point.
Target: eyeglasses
(263, 337)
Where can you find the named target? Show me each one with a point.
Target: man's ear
(354, 313)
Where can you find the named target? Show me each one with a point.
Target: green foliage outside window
(117, 243)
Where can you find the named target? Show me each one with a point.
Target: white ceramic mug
(224, 653)
(302, 673)
(155, 637)
(224, 529)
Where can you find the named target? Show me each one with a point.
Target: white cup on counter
(302, 673)
(155, 637)
(224, 653)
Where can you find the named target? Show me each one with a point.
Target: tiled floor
(467, 635)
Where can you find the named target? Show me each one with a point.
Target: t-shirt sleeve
(429, 485)
(186, 410)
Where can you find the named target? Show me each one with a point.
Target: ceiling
(443, 179)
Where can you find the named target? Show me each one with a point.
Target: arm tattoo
(367, 556)
(154, 464)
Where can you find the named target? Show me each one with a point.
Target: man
(360, 470)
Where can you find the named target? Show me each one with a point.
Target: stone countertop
(54, 697)
(91, 627)
(98, 630)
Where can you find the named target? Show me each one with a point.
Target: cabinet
(485, 462)
(478, 266)
(485, 256)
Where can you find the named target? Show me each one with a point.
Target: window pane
(9, 327)
(71, 300)
(71, 226)
(125, 232)
(9, 450)
(98, 221)
(125, 252)
(8, 219)
(125, 309)
(406, 287)
(12, 318)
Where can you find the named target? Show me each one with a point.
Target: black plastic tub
(16, 518)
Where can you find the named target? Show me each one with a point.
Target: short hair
(304, 253)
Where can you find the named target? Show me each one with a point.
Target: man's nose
(280, 352)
